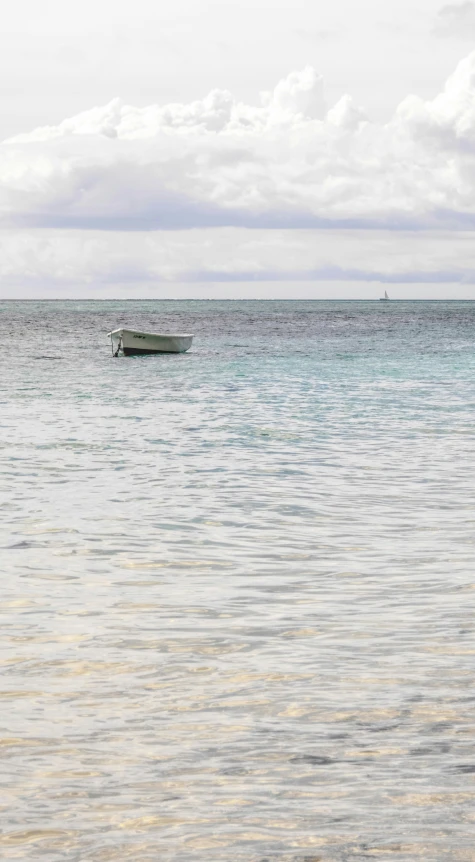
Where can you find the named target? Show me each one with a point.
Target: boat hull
(134, 343)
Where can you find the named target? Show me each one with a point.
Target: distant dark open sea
(238, 589)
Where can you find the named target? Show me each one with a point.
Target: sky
(267, 149)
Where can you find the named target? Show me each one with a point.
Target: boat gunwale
(151, 334)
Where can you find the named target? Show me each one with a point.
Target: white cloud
(125, 194)
(447, 123)
(346, 115)
(456, 20)
(215, 162)
(298, 97)
(300, 94)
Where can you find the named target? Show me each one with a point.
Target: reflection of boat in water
(384, 298)
(132, 342)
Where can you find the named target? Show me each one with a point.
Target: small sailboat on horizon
(384, 298)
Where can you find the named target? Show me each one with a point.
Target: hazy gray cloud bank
(289, 162)
(100, 258)
(456, 20)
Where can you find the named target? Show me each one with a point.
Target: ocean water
(238, 591)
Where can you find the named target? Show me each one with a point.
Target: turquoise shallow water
(237, 617)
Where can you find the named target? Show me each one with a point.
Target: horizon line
(221, 299)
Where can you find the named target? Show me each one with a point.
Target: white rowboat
(132, 342)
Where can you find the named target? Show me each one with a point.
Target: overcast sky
(237, 148)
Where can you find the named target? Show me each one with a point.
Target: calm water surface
(238, 591)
